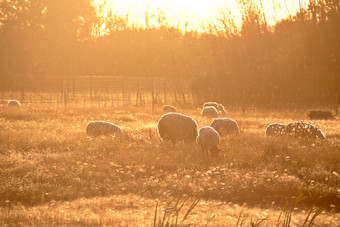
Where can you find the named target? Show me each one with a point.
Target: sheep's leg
(206, 154)
(203, 153)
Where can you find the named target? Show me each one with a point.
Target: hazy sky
(193, 14)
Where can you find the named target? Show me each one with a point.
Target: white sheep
(218, 106)
(303, 130)
(225, 126)
(13, 103)
(176, 127)
(209, 111)
(168, 108)
(208, 139)
(276, 129)
(101, 128)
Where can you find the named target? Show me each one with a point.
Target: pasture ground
(52, 173)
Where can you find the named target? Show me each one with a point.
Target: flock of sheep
(175, 127)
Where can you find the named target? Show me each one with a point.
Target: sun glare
(191, 15)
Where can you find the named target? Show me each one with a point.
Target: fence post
(117, 98)
(91, 96)
(175, 93)
(152, 94)
(23, 91)
(137, 92)
(61, 89)
(183, 95)
(165, 91)
(336, 103)
(65, 90)
(129, 99)
(141, 99)
(107, 90)
(123, 90)
(73, 88)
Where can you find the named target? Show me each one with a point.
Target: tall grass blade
(192, 206)
(287, 209)
(238, 219)
(155, 217)
(317, 213)
(260, 221)
(306, 220)
(173, 210)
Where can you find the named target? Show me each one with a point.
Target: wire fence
(116, 91)
(99, 91)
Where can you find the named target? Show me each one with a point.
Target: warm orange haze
(169, 113)
(192, 15)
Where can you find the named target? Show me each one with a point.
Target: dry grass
(46, 158)
(133, 210)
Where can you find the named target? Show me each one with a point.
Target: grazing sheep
(101, 128)
(209, 111)
(168, 108)
(303, 131)
(208, 139)
(175, 127)
(12, 103)
(276, 129)
(320, 114)
(218, 106)
(225, 126)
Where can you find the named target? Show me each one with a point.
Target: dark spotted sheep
(303, 130)
(276, 129)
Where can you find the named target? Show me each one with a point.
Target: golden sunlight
(191, 15)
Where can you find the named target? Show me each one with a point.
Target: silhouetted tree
(294, 62)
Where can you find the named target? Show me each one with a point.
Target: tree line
(295, 62)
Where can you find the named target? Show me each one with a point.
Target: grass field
(52, 173)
